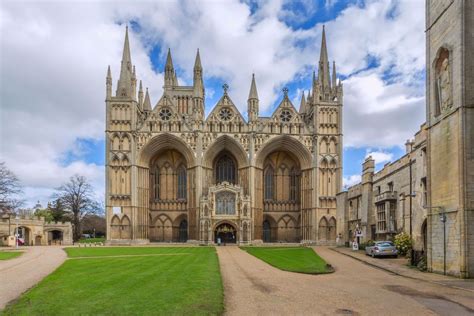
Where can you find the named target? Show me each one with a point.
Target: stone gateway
(174, 175)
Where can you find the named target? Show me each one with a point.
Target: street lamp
(442, 218)
(17, 218)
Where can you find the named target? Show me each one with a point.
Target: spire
(334, 77)
(253, 89)
(147, 103)
(324, 62)
(140, 96)
(197, 79)
(197, 62)
(108, 83)
(169, 71)
(303, 104)
(125, 81)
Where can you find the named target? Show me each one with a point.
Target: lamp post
(412, 251)
(442, 218)
(17, 218)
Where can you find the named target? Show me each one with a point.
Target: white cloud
(380, 156)
(55, 55)
(351, 180)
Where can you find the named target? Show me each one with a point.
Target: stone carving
(444, 86)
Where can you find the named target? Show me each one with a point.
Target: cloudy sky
(54, 56)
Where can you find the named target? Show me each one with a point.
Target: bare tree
(10, 189)
(77, 197)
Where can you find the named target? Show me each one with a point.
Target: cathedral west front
(175, 175)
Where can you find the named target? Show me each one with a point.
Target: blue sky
(56, 99)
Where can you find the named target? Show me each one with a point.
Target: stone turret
(125, 82)
(253, 102)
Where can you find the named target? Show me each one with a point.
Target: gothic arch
(323, 229)
(285, 143)
(115, 227)
(332, 229)
(163, 142)
(225, 143)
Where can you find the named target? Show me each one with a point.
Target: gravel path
(19, 274)
(253, 287)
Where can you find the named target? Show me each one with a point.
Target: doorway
(225, 233)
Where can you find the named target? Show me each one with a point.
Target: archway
(55, 237)
(424, 235)
(267, 232)
(332, 229)
(323, 229)
(183, 231)
(23, 234)
(225, 233)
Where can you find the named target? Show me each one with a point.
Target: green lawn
(91, 240)
(164, 281)
(5, 255)
(294, 259)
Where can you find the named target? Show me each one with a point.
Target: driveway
(253, 287)
(19, 274)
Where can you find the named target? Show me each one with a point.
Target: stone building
(381, 205)
(174, 175)
(33, 231)
(450, 135)
(443, 218)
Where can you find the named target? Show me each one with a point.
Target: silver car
(382, 249)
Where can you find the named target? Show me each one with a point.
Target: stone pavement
(399, 267)
(252, 287)
(19, 274)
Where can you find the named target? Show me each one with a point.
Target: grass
(91, 240)
(5, 255)
(294, 259)
(143, 281)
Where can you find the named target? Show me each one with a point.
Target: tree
(58, 213)
(77, 197)
(10, 189)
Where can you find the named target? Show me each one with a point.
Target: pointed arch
(126, 142)
(115, 227)
(229, 144)
(323, 229)
(269, 179)
(115, 142)
(163, 142)
(285, 143)
(126, 232)
(332, 229)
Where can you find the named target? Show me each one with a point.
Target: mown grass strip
(129, 285)
(301, 259)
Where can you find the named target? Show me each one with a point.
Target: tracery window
(156, 184)
(294, 185)
(225, 202)
(181, 183)
(269, 183)
(285, 116)
(165, 114)
(225, 114)
(225, 169)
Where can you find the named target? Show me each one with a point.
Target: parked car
(382, 249)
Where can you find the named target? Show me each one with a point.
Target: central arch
(225, 232)
(284, 143)
(225, 143)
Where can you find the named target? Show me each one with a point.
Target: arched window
(294, 179)
(156, 184)
(225, 169)
(225, 202)
(269, 183)
(181, 183)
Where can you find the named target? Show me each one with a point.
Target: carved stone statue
(444, 86)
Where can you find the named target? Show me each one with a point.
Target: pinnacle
(253, 89)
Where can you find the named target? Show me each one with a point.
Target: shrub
(403, 243)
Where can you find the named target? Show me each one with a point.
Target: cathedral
(175, 175)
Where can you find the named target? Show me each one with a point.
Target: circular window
(285, 116)
(225, 114)
(165, 114)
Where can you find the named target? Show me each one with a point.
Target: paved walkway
(399, 266)
(253, 287)
(19, 274)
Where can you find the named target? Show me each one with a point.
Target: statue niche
(443, 93)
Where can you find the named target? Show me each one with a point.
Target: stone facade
(380, 205)
(33, 231)
(450, 124)
(443, 221)
(174, 175)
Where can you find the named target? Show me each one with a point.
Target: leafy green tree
(58, 212)
(403, 243)
(46, 213)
